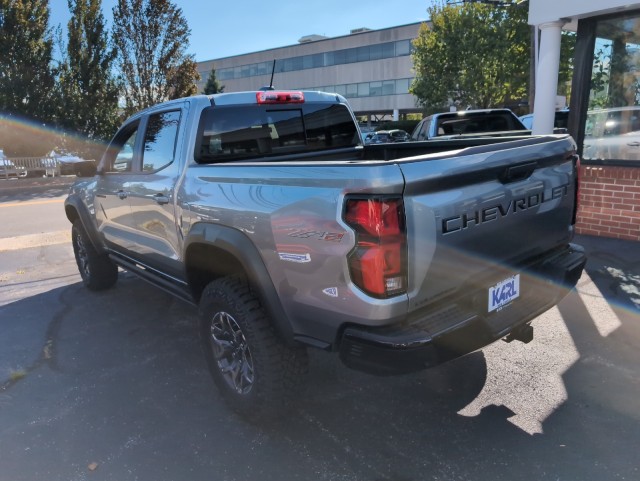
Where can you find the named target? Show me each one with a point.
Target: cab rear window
(476, 122)
(242, 132)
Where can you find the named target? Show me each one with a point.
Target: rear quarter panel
(293, 214)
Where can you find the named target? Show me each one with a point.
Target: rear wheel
(255, 371)
(97, 271)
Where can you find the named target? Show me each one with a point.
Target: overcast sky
(223, 29)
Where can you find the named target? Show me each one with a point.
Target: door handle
(122, 194)
(161, 199)
(634, 144)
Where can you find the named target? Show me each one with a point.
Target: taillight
(273, 97)
(576, 204)
(377, 263)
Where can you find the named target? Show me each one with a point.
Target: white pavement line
(35, 240)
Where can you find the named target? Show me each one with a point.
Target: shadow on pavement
(34, 188)
(118, 379)
(614, 266)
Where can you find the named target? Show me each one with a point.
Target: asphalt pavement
(614, 266)
(113, 386)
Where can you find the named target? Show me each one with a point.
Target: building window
(264, 68)
(287, 65)
(224, 73)
(366, 89)
(400, 48)
(402, 86)
(375, 88)
(403, 47)
(612, 120)
(328, 59)
(388, 50)
(375, 52)
(362, 54)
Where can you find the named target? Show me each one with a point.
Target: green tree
(473, 55)
(88, 88)
(567, 54)
(600, 77)
(26, 71)
(213, 86)
(151, 38)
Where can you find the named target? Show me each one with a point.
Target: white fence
(41, 167)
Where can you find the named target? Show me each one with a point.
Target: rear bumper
(462, 324)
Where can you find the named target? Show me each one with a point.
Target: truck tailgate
(482, 215)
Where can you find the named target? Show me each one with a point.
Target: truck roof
(247, 98)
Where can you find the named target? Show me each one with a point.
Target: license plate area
(504, 293)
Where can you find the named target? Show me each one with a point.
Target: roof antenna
(273, 71)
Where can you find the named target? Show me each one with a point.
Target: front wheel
(97, 270)
(255, 371)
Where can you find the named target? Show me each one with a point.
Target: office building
(371, 68)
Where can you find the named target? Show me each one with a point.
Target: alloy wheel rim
(231, 352)
(83, 257)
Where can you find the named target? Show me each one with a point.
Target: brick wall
(609, 202)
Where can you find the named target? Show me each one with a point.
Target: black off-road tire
(97, 271)
(255, 371)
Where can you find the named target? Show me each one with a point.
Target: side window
(422, 130)
(120, 154)
(415, 135)
(160, 141)
(424, 133)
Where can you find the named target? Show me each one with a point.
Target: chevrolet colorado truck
(267, 211)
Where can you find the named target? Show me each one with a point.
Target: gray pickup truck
(266, 210)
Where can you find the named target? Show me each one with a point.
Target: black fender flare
(74, 203)
(240, 246)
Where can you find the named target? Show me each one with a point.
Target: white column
(396, 115)
(547, 78)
